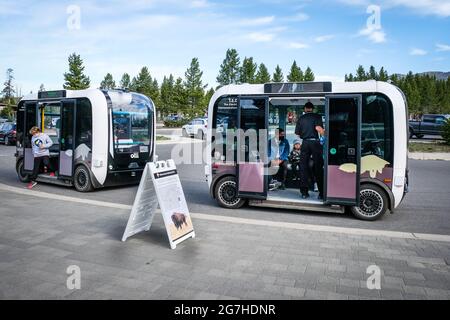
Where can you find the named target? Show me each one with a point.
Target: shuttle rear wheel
(23, 177)
(373, 203)
(82, 179)
(226, 193)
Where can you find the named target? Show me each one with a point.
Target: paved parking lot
(269, 255)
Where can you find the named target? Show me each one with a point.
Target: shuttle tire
(23, 177)
(225, 193)
(82, 179)
(374, 203)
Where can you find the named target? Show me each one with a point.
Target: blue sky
(117, 36)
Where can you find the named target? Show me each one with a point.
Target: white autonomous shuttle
(365, 149)
(100, 137)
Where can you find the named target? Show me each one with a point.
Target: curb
(429, 156)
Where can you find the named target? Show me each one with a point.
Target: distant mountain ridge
(438, 74)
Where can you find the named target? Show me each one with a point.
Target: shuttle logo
(134, 155)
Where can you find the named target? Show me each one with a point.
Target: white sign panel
(144, 207)
(172, 202)
(160, 184)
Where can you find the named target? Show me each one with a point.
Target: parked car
(429, 124)
(174, 117)
(196, 128)
(8, 133)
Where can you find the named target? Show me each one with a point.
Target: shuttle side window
(224, 123)
(20, 123)
(377, 127)
(84, 123)
(30, 122)
(52, 121)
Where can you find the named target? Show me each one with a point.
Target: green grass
(162, 138)
(428, 147)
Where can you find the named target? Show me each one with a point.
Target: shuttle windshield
(131, 120)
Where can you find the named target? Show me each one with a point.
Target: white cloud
(442, 47)
(324, 38)
(260, 37)
(417, 52)
(298, 17)
(298, 45)
(373, 34)
(257, 21)
(439, 8)
(200, 4)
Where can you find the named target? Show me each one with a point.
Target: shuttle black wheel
(82, 179)
(373, 203)
(23, 177)
(226, 193)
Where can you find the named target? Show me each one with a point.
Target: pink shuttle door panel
(251, 177)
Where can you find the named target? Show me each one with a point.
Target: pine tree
(372, 75)
(8, 90)
(296, 73)
(108, 82)
(445, 100)
(412, 94)
(207, 98)
(143, 82)
(154, 91)
(75, 79)
(125, 82)
(41, 88)
(309, 75)
(180, 98)
(194, 88)
(229, 69)
(394, 78)
(167, 105)
(360, 74)
(383, 75)
(263, 75)
(248, 71)
(278, 75)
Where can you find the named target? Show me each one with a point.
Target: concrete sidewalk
(429, 156)
(40, 238)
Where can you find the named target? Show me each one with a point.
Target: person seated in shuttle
(278, 155)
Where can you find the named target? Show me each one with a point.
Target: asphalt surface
(424, 210)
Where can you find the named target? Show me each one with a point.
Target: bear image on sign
(371, 163)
